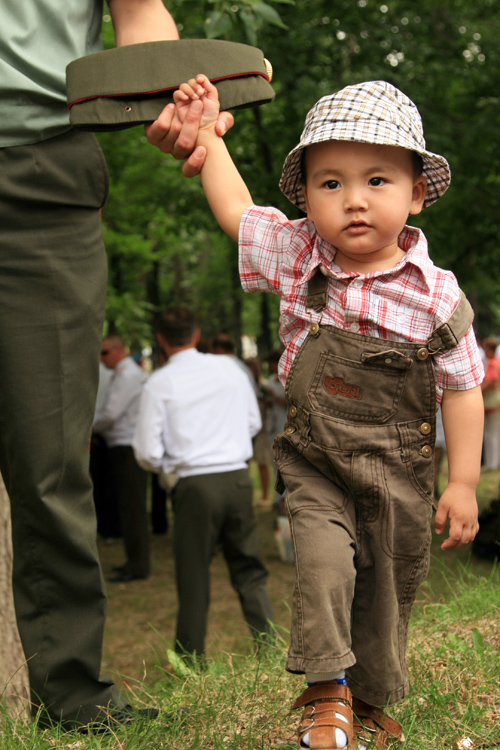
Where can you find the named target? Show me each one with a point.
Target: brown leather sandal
(322, 702)
(373, 727)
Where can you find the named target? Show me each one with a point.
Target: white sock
(340, 735)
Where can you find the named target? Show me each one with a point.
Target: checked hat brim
(374, 112)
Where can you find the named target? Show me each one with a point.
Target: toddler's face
(359, 196)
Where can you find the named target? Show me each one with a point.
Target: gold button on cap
(289, 430)
(425, 428)
(422, 354)
(292, 411)
(427, 451)
(269, 69)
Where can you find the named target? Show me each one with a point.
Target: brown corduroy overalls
(357, 460)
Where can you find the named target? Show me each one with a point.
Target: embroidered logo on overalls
(337, 387)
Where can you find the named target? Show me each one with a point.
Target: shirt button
(357, 283)
(354, 327)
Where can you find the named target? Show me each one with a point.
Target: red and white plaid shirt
(404, 303)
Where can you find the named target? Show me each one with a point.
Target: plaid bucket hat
(371, 112)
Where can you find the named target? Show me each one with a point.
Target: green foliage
(162, 241)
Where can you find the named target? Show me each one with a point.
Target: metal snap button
(292, 412)
(425, 428)
(427, 451)
(387, 360)
(422, 353)
(128, 109)
(289, 430)
(314, 329)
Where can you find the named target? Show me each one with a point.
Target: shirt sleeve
(460, 368)
(118, 398)
(148, 442)
(262, 238)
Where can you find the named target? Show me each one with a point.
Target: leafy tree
(163, 244)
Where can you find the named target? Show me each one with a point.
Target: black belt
(130, 85)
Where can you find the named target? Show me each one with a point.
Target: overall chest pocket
(364, 390)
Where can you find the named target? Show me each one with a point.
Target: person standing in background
(116, 423)
(491, 396)
(197, 417)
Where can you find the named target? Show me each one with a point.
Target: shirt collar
(412, 240)
(122, 364)
(184, 354)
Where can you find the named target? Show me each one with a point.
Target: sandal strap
(323, 691)
(373, 719)
(327, 707)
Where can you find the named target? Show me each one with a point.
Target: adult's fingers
(224, 123)
(163, 132)
(193, 164)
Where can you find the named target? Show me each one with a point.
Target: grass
(241, 701)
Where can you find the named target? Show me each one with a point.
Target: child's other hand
(458, 505)
(198, 88)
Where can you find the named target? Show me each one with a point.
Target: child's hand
(458, 504)
(198, 88)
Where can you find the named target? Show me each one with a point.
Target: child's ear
(304, 190)
(418, 195)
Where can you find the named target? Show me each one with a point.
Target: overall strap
(317, 296)
(447, 335)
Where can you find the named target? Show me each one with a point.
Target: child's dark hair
(177, 326)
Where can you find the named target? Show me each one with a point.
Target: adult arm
(148, 444)
(254, 417)
(463, 428)
(122, 391)
(137, 21)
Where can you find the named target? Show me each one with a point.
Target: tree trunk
(14, 686)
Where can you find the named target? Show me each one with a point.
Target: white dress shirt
(118, 416)
(197, 415)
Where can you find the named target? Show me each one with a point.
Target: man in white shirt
(197, 417)
(116, 423)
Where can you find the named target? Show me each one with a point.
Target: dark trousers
(106, 506)
(129, 486)
(213, 509)
(52, 293)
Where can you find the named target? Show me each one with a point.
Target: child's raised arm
(227, 194)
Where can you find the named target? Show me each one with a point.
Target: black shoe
(125, 578)
(116, 717)
(119, 568)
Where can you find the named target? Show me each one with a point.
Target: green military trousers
(52, 294)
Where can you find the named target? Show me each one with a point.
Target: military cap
(130, 85)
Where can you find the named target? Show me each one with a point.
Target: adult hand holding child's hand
(177, 136)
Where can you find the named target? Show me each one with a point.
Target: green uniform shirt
(37, 40)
